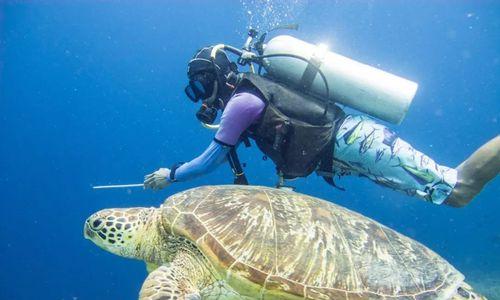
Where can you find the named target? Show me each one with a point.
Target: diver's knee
(461, 195)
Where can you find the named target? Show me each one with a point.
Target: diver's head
(210, 80)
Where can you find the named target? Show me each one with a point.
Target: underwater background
(91, 92)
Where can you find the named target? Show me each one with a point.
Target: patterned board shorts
(368, 149)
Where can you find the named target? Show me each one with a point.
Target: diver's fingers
(153, 187)
(150, 181)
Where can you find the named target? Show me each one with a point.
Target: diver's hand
(158, 179)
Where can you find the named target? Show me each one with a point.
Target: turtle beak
(87, 233)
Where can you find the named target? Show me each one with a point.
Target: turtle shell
(276, 244)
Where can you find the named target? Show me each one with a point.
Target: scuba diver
(303, 134)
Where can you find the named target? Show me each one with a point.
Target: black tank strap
(310, 72)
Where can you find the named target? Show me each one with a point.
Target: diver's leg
(473, 174)
(369, 149)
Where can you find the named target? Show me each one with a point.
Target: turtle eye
(97, 224)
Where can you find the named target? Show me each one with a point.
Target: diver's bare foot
(473, 174)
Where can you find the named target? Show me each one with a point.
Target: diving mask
(200, 86)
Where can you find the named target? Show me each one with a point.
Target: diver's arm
(242, 110)
(211, 158)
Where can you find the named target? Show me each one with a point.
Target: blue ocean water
(91, 92)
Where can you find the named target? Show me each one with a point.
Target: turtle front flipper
(183, 278)
(220, 290)
(168, 282)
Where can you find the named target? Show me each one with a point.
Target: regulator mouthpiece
(208, 110)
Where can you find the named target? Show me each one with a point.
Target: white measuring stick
(117, 186)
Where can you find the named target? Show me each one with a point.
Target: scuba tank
(362, 87)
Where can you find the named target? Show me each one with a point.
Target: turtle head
(121, 231)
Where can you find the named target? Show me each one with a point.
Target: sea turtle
(249, 242)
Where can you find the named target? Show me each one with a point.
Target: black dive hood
(214, 89)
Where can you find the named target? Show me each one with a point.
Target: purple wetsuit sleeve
(212, 157)
(241, 111)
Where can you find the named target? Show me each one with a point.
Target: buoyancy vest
(295, 130)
